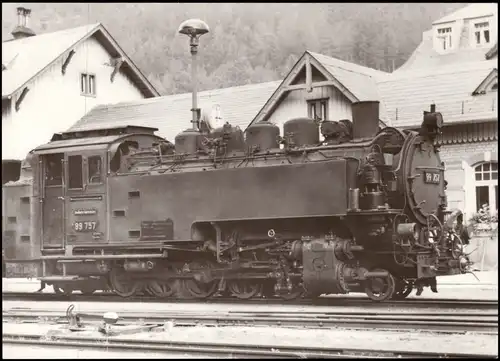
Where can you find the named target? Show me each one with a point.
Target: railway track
(321, 301)
(456, 322)
(232, 350)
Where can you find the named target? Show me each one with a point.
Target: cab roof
(103, 131)
(95, 142)
(94, 139)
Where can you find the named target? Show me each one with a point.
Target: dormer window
(444, 35)
(482, 33)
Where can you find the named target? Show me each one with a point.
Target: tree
(247, 42)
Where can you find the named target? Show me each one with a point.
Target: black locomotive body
(260, 214)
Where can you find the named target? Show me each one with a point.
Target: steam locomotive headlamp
(411, 230)
(194, 28)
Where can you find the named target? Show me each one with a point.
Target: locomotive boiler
(249, 214)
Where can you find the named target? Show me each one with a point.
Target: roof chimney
(22, 30)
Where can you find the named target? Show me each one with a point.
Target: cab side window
(53, 171)
(94, 169)
(75, 170)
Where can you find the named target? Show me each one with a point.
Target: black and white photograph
(249, 180)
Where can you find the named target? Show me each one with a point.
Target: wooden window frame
(313, 104)
(480, 30)
(491, 183)
(445, 35)
(88, 84)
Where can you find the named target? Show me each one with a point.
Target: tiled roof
(426, 57)
(171, 114)
(448, 79)
(360, 80)
(469, 12)
(238, 105)
(407, 93)
(25, 58)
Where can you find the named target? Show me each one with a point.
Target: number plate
(85, 226)
(432, 177)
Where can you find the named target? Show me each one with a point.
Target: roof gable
(487, 83)
(356, 82)
(29, 57)
(475, 10)
(493, 52)
(304, 64)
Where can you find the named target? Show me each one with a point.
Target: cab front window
(75, 178)
(54, 169)
(95, 170)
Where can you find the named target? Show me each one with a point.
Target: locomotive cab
(72, 183)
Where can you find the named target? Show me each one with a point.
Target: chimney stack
(365, 119)
(22, 29)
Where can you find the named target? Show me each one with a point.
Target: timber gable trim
(462, 133)
(22, 95)
(469, 133)
(487, 83)
(66, 62)
(306, 62)
(117, 63)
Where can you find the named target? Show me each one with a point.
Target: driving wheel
(202, 285)
(381, 288)
(161, 288)
(244, 289)
(121, 283)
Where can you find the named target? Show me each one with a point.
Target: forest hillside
(248, 42)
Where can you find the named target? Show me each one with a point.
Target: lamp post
(194, 28)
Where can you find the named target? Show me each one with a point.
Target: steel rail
(322, 301)
(448, 323)
(221, 349)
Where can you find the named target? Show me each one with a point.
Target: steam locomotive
(247, 214)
